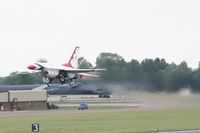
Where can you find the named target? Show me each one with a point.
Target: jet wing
(73, 70)
(87, 74)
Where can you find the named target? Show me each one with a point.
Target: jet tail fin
(73, 61)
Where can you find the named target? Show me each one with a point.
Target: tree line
(162, 76)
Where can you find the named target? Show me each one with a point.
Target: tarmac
(186, 131)
(60, 112)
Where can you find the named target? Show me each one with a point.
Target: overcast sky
(30, 29)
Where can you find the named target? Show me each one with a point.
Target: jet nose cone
(31, 67)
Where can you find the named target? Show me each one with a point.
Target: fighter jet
(66, 72)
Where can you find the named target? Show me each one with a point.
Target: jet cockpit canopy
(42, 60)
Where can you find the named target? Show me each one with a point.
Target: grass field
(120, 122)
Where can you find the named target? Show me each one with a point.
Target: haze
(140, 29)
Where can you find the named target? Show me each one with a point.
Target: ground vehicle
(103, 93)
(104, 96)
(52, 106)
(83, 106)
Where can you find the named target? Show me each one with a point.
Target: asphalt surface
(187, 131)
(60, 112)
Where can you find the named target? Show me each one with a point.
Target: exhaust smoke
(153, 100)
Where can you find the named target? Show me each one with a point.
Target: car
(52, 106)
(104, 96)
(103, 93)
(83, 106)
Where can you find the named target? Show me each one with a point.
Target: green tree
(115, 65)
(133, 70)
(15, 78)
(83, 63)
(196, 80)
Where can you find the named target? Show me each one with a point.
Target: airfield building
(23, 100)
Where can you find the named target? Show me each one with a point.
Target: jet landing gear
(62, 79)
(47, 81)
(48, 84)
(68, 82)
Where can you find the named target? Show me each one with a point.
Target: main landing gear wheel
(62, 79)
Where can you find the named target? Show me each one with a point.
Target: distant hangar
(23, 100)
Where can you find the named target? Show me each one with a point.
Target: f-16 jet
(67, 72)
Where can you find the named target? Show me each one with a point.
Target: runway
(186, 131)
(61, 112)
